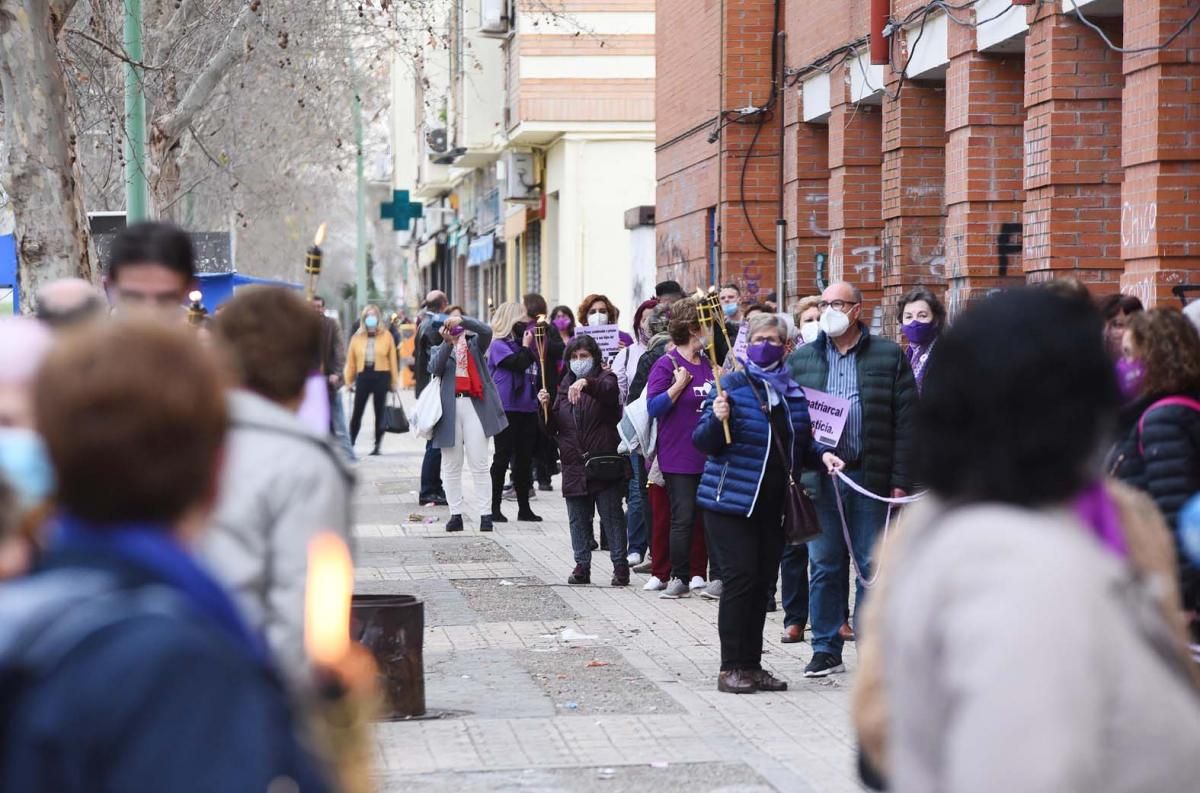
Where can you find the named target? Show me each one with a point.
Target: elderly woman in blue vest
(742, 493)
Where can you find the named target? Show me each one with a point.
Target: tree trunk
(43, 177)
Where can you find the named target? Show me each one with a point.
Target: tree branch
(172, 124)
(118, 54)
(59, 11)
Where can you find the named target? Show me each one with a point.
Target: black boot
(378, 442)
(455, 523)
(524, 513)
(485, 523)
(497, 515)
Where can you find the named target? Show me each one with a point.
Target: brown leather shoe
(793, 634)
(736, 681)
(846, 632)
(765, 681)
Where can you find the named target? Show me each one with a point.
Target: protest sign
(607, 336)
(828, 415)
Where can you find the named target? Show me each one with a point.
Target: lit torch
(708, 312)
(312, 262)
(196, 311)
(347, 672)
(539, 339)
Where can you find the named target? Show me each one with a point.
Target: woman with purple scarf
(513, 363)
(742, 492)
(922, 317)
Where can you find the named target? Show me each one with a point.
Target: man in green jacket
(872, 373)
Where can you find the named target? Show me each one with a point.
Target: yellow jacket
(385, 355)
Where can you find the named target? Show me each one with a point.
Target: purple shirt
(518, 391)
(676, 453)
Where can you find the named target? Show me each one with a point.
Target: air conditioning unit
(520, 179)
(495, 17)
(437, 140)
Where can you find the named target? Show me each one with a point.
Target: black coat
(889, 396)
(1167, 466)
(586, 428)
(427, 339)
(645, 364)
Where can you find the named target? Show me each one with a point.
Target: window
(533, 258)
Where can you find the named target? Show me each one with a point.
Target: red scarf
(466, 373)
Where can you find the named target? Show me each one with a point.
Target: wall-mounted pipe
(880, 52)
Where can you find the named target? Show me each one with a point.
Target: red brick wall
(1064, 159)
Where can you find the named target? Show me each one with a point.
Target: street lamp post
(136, 189)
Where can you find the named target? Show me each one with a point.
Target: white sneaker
(697, 583)
(634, 559)
(654, 584)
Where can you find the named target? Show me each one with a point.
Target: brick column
(808, 205)
(1160, 149)
(751, 203)
(914, 167)
(1072, 212)
(855, 160)
(985, 116)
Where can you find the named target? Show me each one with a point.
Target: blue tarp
(217, 288)
(482, 250)
(8, 268)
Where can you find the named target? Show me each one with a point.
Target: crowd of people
(159, 489)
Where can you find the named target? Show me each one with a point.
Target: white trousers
(468, 436)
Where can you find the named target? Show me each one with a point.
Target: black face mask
(518, 330)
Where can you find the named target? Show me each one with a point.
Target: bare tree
(42, 172)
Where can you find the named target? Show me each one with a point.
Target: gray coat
(490, 409)
(282, 484)
(1020, 654)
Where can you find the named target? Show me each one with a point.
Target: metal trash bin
(392, 627)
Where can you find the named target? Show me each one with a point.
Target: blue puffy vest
(733, 473)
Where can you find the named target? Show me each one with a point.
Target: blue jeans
(829, 581)
(793, 572)
(431, 473)
(612, 523)
(639, 538)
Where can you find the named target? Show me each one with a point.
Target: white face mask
(834, 323)
(810, 330)
(580, 368)
(600, 318)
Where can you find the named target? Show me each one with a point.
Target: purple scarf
(918, 358)
(1096, 509)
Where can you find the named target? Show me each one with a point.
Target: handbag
(605, 467)
(428, 410)
(800, 523)
(394, 419)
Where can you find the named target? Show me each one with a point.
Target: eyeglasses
(837, 305)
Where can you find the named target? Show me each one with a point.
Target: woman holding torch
(678, 385)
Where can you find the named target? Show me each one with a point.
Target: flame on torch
(320, 238)
(327, 600)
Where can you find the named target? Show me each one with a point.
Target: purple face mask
(1130, 376)
(562, 323)
(765, 354)
(919, 333)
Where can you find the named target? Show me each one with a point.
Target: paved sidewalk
(544, 687)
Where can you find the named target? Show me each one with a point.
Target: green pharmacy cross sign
(400, 210)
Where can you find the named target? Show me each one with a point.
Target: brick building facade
(1004, 143)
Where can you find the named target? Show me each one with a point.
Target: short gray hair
(764, 321)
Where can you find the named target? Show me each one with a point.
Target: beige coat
(1151, 565)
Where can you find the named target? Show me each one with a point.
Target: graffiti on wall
(1138, 221)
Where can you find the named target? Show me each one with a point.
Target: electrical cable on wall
(1134, 50)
